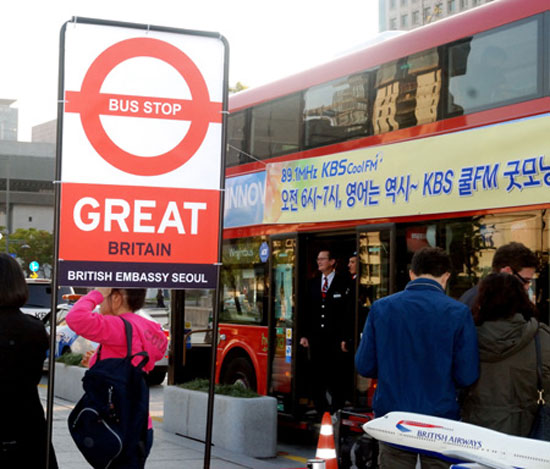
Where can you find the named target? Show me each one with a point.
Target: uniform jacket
(23, 345)
(324, 324)
(504, 398)
(421, 345)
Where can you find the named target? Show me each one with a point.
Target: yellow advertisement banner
(503, 165)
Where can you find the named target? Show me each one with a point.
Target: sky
(267, 39)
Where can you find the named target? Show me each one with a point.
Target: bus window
(471, 243)
(529, 228)
(374, 261)
(243, 280)
(337, 111)
(375, 281)
(236, 140)
(494, 68)
(385, 102)
(275, 127)
(408, 92)
(424, 67)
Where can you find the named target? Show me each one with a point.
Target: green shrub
(70, 358)
(233, 390)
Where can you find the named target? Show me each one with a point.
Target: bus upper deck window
(493, 68)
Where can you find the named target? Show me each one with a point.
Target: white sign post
(140, 159)
(141, 156)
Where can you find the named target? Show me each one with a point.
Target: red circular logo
(90, 103)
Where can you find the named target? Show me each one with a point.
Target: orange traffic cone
(325, 447)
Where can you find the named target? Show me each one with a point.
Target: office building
(45, 133)
(405, 15)
(8, 120)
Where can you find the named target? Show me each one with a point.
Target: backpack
(109, 423)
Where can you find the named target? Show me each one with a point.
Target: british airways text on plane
(467, 446)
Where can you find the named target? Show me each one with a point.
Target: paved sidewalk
(169, 451)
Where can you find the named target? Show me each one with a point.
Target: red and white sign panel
(141, 156)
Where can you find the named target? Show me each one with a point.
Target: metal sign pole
(218, 296)
(57, 189)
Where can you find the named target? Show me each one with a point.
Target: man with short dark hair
(322, 335)
(512, 258)
(421, 345)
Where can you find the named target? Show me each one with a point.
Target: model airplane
(465, 446)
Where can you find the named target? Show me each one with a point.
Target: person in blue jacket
(421, 346)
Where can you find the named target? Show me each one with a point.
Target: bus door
(281, 365)
(375, 279)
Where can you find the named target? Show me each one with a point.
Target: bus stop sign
(90, 103)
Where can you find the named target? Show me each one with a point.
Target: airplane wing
(468, 465)
(480, 461)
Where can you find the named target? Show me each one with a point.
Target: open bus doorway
(339, 377)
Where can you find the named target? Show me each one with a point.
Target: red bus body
(253, 340)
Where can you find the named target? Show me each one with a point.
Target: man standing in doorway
(421, 345)
(322, 333)
(514, 259)
(352, 266)
(349, 323)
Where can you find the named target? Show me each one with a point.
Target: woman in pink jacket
(108, 330)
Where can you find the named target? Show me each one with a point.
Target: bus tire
(240, 371)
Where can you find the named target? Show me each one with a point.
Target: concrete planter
(68, 382)
(242, 425)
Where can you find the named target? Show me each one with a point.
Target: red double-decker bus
(437, 137)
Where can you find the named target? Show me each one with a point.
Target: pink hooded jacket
(109, 331)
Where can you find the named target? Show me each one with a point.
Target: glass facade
(8, 122)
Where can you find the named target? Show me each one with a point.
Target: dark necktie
(324, 288)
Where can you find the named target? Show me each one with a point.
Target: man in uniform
(322, 333)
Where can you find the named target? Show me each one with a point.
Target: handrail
(186, 336)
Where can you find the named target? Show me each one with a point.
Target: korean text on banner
(497, 166)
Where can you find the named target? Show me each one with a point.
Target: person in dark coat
(347, 344)
(23, 345)
(505, 396)
(322, 334)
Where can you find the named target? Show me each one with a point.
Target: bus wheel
(240, 371)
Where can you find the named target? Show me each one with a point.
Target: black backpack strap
(143, 354)
(128, 329)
